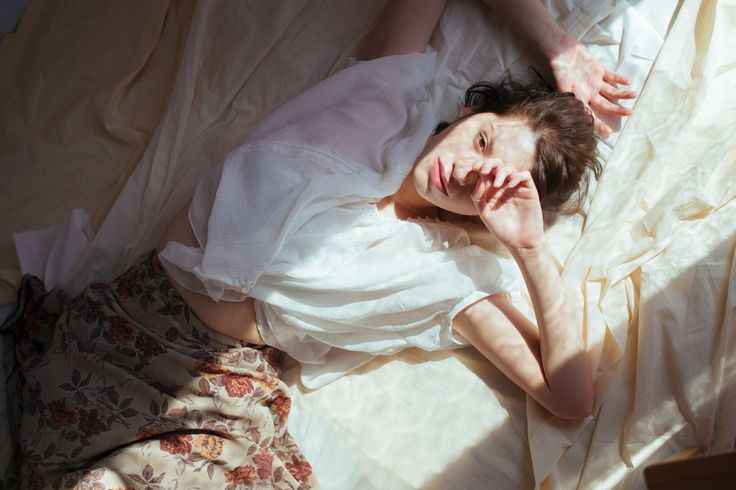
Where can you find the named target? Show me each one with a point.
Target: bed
(112, 112)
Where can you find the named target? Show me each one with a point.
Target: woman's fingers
(576, 70)
(612, 77)
(466, 172)
(525, 176)
(489, 165)
(604, 105)
(479, 192)
(611, 92)
(506, 176)
(500, 176)
(602, 127)
(514, 180)
(487, 195)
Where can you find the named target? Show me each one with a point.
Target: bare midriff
(234, 319)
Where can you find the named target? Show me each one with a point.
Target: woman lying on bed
(313, 237)
(318, 236)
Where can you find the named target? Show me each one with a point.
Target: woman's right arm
(548, 360)
(402, 27)
(574, 68)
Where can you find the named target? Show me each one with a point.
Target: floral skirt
(123, 386)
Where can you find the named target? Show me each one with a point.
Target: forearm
(403, 26)
(533, 19)
(565, 361)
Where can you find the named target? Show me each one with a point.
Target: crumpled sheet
(654, 267)
(650, 261)
(79, 109)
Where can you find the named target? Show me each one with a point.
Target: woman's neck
(406, 203)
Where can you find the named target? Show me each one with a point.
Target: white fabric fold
(51, 253)
(352, 137)
(354, 283)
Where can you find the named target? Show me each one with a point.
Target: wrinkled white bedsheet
(651, 261)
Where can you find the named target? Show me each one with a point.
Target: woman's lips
(439, 182)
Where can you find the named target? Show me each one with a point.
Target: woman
(153, 379)
(480, 165)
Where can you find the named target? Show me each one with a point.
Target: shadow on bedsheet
(676, 383)
(420, 412)
(500, 458)
(675, 386)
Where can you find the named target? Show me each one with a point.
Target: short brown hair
(566, 147)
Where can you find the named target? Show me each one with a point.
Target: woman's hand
(508, 204)
(574, 68)
(577, 71)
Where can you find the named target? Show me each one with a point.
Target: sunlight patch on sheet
(614, 477)
(428, 404)
(674, 429)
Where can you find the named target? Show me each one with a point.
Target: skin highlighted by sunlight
(476, 145)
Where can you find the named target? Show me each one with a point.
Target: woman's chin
(459, 210)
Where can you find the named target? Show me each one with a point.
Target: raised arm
(574, 68)
(549, 361)
(403, 26)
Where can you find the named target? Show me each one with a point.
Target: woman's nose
(465, 171)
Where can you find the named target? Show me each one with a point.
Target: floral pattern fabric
(123, 387)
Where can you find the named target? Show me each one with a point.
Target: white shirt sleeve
(354, 283)
(350, 138)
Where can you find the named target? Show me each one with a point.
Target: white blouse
(290, 220)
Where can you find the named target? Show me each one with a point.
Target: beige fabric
(660, 292)
(651, 262)
(241, 61)
(84, 87)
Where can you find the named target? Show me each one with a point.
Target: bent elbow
(576, 413)
(574, 392)
(576, 408)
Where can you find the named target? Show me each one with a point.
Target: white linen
(50, 253)
(350, 138)
(659, 293)
(354, 283)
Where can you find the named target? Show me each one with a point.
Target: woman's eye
(482, 141)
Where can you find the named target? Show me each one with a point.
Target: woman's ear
(465, 111)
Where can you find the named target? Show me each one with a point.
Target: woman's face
(445, 172)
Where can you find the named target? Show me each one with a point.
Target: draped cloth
(350, 138)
